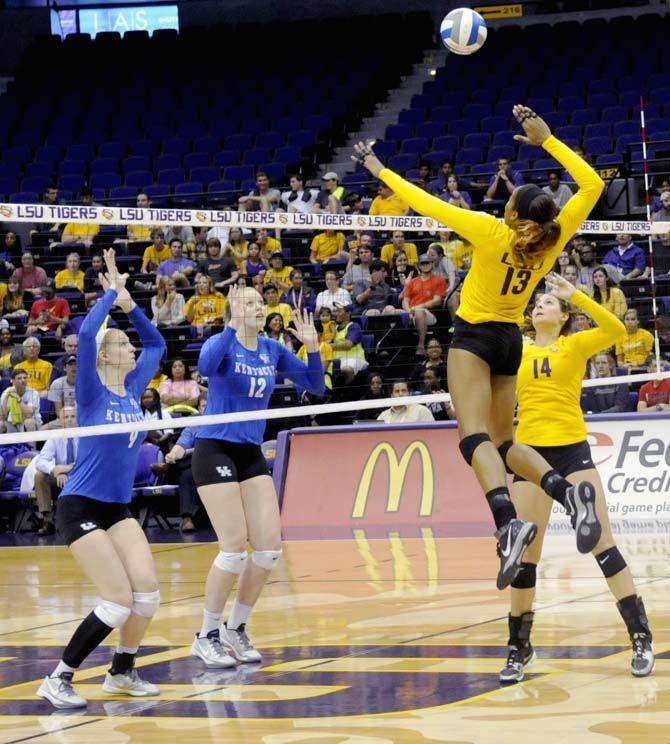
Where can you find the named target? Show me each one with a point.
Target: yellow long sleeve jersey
(549, 382)
(498, 287)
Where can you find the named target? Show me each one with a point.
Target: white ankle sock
(238, 615)
(126, 650)
(62, 667)
(210, 621)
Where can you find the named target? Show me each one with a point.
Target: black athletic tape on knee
(469, 444)
(611, 562)
(504, 449)
(526, 577)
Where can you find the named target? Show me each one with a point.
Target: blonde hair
(534, 239)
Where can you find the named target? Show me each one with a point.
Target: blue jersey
(105, 466)
(243, 380)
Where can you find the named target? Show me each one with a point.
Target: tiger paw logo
(283, 218)
(6, 211)
(108, 214)
(430, 222)
(201, 216)
(361, 221)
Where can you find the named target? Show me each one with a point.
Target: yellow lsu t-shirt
(325, 246)
(206, 308)
(272, 276)
(635, 348)
(64, 278)
(409, 249)
(139, 232)
(153, 257)
(39, 373)
(283, 309)
(394, 206)
(85, 230)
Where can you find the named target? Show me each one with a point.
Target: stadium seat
(104, 165)
(167, 161)
(114, 150)
(185, 193)
(204, 175)
(402, 163)
(581, 117)
(138, 179)
(136, 163)
(71, 183)
(170, 176)
(414, 145)
(122, 196)
(238, 172)
(24, 197)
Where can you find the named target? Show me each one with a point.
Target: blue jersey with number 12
(243, 380)
(105, 466)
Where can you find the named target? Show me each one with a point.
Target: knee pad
(266, 559)
(469, 444)
(230, 562)
(146, 604)
(611, 562)
(526, 577)
(112, 614)
(504, 449)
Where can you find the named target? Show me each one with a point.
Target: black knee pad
(504, 449)
(611, 562)
(469, 444)
(526, 577)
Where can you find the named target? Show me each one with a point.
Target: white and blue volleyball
(463, 31)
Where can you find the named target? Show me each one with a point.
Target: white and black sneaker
(513, 539)
(211, 651)
(580, 504)
(643, 661)
(129, 684)
(60, 693)
(240, 645)
(518, 659)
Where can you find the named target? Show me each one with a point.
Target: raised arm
(610, 329)
(215, 350)
(88, 385)
(153, 350)
(308, 376)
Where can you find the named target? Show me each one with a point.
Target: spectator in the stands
(301, 296)
(178, 267)
(80, 233)
(327, 325)
(327, 246)
(19, 405)
(608, 295)
(442, 266)
(197, 250)
(375, 391)
(237, 246)
(156, 253)
(358, 267)
(662, 254)
(92, 286)
(503, 183)
(462, 256)
(455, 195)
(627, 257)
(276, 329)
(560, 192)
(435, 361)
(10, 353)
(140, 232)
(387, 203)
(262, 198)
(431, 384)
(256, 283)
(49, 314)
(10, 249)
(402, 271)
(663, 328)
(61, 390)
(634, 349)
(70, 346)
(571, 274)
(179, 457)
(357, 239)
(298, 199)
(612, 398)
(12, 302)
(580, 321)
(167, 306)
(664, 186)
(662, 214)
(32, 277)
(326, 354)
(352, 202)
(152, 410)
(583, 255)
(180, 232)
(74, 326)
(347, 345)
(52, 468)
(438, 185)
(562, 260)
(329, 199)
(255, 263)
(273, 304)
(207, 306)
(278, 274)
(332, 293)
(267, 243)
(158, 379)
(373, 296)
(222, 270)
(654, 396)
(414, 413)
(38, 370)
(425, 176)
(449, 241)
(398, 245)
(422, 294)
(179, 389)
(71, 277)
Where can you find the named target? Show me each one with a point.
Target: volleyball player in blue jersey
(230, 472)
(93, 515)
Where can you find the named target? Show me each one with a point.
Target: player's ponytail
(536, 227)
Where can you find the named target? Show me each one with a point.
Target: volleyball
(463, 31)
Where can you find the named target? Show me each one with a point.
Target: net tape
(116, 216)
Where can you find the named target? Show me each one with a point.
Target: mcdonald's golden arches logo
(397, 470)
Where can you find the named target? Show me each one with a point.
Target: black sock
(556, 486)
(88, 636)
(122, 663)
(501, 506)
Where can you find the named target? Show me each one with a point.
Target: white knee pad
(230, 562)
(112, 614)
(146, 604)
(266, 559)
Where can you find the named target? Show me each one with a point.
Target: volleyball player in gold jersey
(508, 261)
(549, 386)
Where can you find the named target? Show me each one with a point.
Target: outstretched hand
(305, 330)
(536, 129)
(365, 155)
(559, 287)
(114, 279)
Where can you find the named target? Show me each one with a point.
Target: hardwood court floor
(364, 642)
